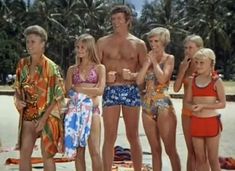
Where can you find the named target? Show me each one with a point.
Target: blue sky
(138, 4)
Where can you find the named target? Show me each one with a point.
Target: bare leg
(48, 161)
(213, 150)
(191, 160)
(167, 128)
(131, 119)
(80, 163)
(151, 130)
(27, 143)
(199, 146)
(94, 143)
(110, 117)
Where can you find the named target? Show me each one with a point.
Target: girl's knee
(171, 153)
(156, 151)
(80, 157)
(95, 155)
(94, 152)
(213, 161)
(201, 159)
(170, 150)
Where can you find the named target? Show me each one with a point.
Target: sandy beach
(8, 135)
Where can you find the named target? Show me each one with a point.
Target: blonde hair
(206, 53)
(195, 39)
(163, 33)
(38, 30)
(89, 42)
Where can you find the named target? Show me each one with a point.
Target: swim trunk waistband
(127, 95)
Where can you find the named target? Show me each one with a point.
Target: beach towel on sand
(227, 163)
(122, 160)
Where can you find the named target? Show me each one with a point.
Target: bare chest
(121, 51)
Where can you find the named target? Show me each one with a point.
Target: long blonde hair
(89, 42)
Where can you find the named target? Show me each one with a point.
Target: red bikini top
(208, 90)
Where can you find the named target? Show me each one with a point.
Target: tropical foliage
(214, 20)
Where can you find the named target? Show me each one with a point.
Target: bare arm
(182, 70)
(221, 94)
(189, 96)
(141, 75)
(99, 47)
(142, 53)
(163, 75)
(68, 81)
(179, 80)
(99, 88)
(141, 58)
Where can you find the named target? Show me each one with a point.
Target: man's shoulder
(105, 38)
(136, 39)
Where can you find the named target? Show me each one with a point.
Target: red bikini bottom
(205, 127)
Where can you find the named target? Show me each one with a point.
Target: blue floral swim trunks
(127, 95)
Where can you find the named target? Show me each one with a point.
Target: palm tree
(168, 14)
(212, 20)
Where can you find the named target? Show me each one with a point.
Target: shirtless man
(122, 54)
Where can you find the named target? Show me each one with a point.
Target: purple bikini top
(92, 76)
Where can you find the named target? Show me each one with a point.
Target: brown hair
(122, 9)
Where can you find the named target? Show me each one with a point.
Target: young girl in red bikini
(204, 96)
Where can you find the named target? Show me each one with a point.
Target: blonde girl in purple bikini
(159, 117)
(87, 76)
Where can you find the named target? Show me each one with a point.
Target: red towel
(35, 160)
(227, 163)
